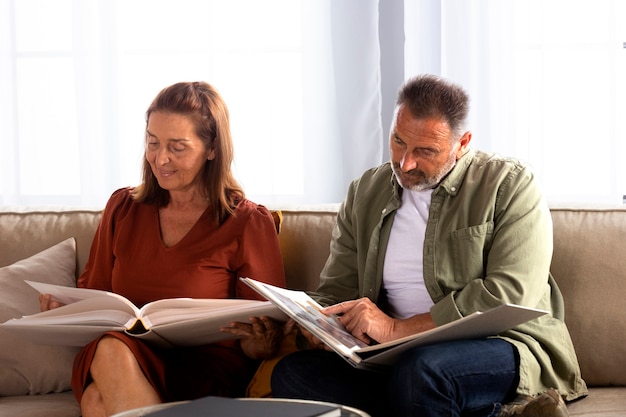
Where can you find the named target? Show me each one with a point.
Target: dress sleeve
(99, 268)
(261, 258)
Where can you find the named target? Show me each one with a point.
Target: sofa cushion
(588, 264)
(31, 232)
(305, 244)
(26, 368)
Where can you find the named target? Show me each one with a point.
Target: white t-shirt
(403, 271)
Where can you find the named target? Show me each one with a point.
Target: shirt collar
(452, 182)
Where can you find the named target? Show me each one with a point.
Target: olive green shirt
(488, 241)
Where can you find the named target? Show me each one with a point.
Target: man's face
(423, 150)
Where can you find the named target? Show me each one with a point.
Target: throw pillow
(26, 368)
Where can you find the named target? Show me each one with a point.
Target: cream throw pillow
(27, 368)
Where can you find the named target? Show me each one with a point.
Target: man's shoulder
(497, 172)
(483, 158)
(377, 174)
(374, 189)
(490, 164)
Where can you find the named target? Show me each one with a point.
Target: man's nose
(408, 162)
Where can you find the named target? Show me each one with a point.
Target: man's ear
(463, 144)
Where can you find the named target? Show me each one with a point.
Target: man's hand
(367, 322)
(364, 320)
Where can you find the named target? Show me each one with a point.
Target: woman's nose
(162, 157)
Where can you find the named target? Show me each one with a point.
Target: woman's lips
(166, 173)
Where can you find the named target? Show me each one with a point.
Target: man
(439, 232)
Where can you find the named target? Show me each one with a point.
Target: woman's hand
(261, 338)
(307, 340)
(47, 303)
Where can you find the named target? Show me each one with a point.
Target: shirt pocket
(470, 247)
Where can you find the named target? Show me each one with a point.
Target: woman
(186, 231)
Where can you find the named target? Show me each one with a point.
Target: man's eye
(427, 153)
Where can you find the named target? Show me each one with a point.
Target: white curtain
(301, 79)
(310, 85)
(547, 79)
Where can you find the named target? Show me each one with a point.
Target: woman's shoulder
(245, 207)
(121, 202)
(119, 197)
(249, 211)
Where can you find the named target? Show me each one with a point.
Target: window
(302, 78)
(84, 73)
(546, 80)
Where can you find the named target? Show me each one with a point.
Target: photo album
(307, 313)
(88, 313)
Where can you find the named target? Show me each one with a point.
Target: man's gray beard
(427, 182)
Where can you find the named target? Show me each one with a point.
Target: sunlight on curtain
(76, 77)
(303, 83)
(547, 82)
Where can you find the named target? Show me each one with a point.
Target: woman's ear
(211, 154)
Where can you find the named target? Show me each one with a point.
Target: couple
(437, 233)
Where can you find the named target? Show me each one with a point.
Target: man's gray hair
(432, 96)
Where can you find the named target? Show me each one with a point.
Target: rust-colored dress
(128, 257)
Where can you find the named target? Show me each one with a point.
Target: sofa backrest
(589, 264)
(304, 238)
(305, 245)
(25, 233)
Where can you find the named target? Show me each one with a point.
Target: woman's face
(174, 151)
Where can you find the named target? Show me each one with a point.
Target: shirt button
(384, 210)
(452, 188)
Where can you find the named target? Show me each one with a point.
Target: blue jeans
(468, 378)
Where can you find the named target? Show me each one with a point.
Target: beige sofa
(589, 263)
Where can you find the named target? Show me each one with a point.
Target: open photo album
(307, 313)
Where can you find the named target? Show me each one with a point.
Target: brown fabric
(27, 233)
(277, 216)
(129, 258)
(589, 264)
(601, 402)
(178, 374)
